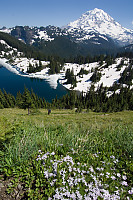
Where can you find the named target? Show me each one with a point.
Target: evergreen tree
(6, 103)
(2, 98)
(27, 100)
(96, 76)
(19, 100)
(1, 106)
(71, 78)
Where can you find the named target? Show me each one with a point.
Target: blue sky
(61, 12)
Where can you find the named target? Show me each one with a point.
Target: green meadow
(66, 155)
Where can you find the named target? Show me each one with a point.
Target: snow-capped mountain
(100, 22)
(94, 33)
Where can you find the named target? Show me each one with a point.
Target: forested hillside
(97, 101)
(28, 51)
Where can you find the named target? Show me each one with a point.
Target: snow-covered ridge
(6, 30)
(20, 64)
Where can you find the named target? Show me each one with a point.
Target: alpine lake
(12, 83)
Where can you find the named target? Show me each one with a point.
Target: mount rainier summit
(95, 32)
(100, 22)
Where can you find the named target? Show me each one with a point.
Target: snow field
(110, 75)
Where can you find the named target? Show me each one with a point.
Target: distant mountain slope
(128, 48)
(8, 42)
(55, 41)
(13, 42)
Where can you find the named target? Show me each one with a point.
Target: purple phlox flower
(113, 177)
(74, 173)
(46, 174)
(95, 155)
(53, 153)
(62, 172)
(74, 169)
(67, 193)
(68, 159)
(124, 183)
(51, 174)
(75, 181)
(78, 170)
(115, 161)
(78, 195)
(108, 173)
(83, 171)
(118, 174)
(70, 181)
(100, 169)
(91, 169)
(44, 157)
(70, 169)
(130, 191)
(113, 157)
(124, 177)
(53, 182)
(117, 192)
(101, 174)
(73, 196)
(63, 182)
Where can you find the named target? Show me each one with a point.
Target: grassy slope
(62, 130)
(11, 119)
(83, 131)
(93, 120)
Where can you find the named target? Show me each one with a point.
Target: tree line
(95, 100)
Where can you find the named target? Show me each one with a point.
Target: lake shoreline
(12, 81)
(53, 79)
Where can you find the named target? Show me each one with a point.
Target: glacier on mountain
(100, 22)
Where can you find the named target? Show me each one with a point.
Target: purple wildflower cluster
(79, 181)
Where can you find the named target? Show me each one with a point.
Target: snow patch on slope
(20, 64)
(42, 35)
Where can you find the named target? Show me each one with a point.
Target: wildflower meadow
(67, 155)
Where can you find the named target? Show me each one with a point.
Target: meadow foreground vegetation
(66, 155)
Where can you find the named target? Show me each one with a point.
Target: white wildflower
(118, 174)
(46, 174)
(124, 177)
(91, 169)
(130, 191)
(113, 157)
(53, 153)
(78, 195)
(113, 177)
(124, 183)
